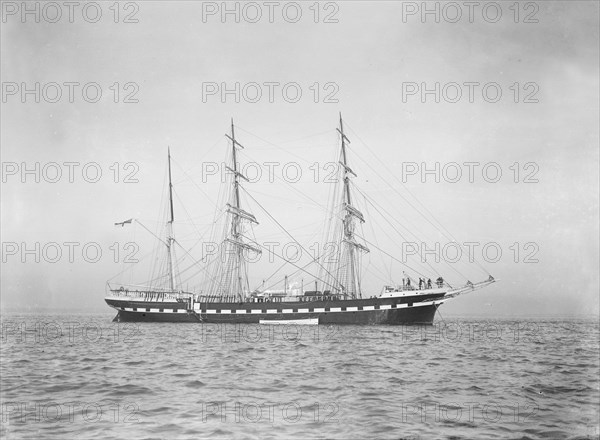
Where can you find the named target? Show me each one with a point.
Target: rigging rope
(282, 228)
(441, 227)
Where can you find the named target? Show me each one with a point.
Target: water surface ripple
(82, 376)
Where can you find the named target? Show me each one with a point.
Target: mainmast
(170, 238)
(234, 278)
(348, 269)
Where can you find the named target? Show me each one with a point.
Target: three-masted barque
(338, 300)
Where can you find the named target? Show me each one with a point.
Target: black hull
(374, 311)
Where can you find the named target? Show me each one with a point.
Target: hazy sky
(174, 55)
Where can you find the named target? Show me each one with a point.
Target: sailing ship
(337, 298)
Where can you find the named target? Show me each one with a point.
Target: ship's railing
(273, 299)
(151, 295)
(217, 298)
(412, 287)
(298, 298)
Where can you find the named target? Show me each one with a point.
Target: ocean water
(82, 376)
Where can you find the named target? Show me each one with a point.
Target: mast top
(170, 186)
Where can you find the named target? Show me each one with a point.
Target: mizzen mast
(170, 238)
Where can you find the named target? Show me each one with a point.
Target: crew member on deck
(429, 283)
(420, 283)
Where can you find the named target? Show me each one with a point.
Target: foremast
(232, 279)
(348, 270)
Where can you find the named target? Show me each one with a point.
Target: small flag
(124, 223)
